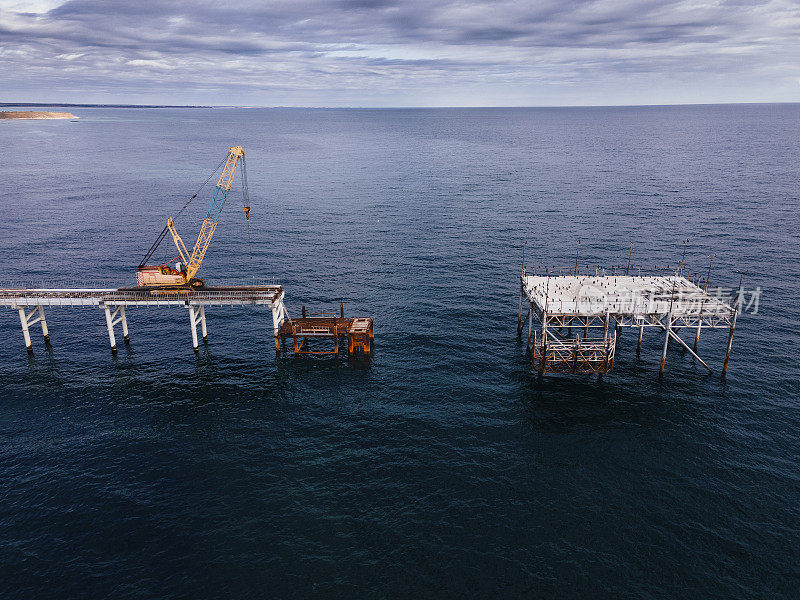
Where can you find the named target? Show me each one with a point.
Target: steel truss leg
(335, 338)
(543, 359)
(666, 344)
(730, 345)
(530, 328)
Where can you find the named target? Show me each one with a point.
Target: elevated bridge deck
(220, 296)
(30, 303)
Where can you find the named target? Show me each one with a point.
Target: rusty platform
(354, 333)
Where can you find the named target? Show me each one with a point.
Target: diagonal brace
(675, 337)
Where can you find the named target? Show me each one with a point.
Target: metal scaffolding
(598, 305)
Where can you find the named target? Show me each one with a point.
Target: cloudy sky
(400, 52)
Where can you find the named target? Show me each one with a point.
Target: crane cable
(246, 204)
(163, 233)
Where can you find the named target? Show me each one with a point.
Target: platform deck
(580, 303)
(630, 300)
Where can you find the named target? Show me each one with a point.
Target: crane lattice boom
(191, 262)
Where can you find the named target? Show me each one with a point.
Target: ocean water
(442, 468)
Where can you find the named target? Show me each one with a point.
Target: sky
(387, 53)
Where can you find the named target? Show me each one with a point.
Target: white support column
(203, 322)
(112, 318)
(284, 315)
(276, 325)
(110, 326)
(45, 331)
(27, 319)
(278, 316)
(124, 319)
(193, 323)
(697, 337)
(23, 318)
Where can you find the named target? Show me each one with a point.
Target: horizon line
(251, 106)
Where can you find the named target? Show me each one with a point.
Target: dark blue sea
(442, 468)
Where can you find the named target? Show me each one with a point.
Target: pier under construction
(580, 314)
(175, 283)
(31, 302)
(355, 334)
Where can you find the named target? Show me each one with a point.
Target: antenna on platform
(630, 251)
(683, 256)
(739, 291)
(708, 277)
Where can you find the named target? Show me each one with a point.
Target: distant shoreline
(29, 114)
(68, 105)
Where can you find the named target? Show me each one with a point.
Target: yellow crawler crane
(182, 273)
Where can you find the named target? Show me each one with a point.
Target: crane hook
(247, 212)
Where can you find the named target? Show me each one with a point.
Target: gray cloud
(393, 52)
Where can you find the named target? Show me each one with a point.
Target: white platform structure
(30, 303)
(595, 303)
